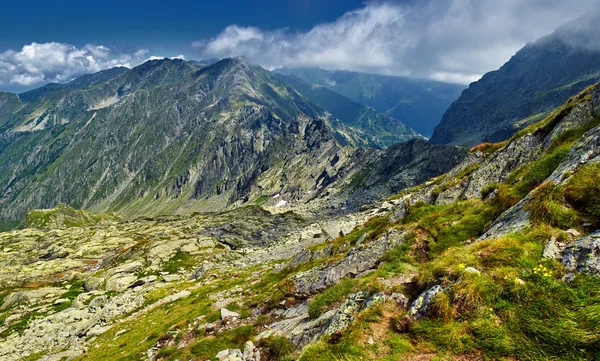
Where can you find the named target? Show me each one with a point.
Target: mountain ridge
(538, 78)
(167, 137)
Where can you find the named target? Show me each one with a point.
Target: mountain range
(537, 79)
(418, 103)
(170, 136)
(214, 210)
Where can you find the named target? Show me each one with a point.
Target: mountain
(538, 78)
(168, 137)
(497, 258)
(383, 131)
(417, 103)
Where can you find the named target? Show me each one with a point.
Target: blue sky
(448, 40)
(157, 25)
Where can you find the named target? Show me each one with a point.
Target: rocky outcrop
(421, 305)
(69, 328)
(583, 255)
(302, 330)
(250, 353)
(360, 258)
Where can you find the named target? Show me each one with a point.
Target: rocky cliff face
(537, 79)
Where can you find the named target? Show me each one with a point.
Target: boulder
(226, 314)
(420, 306)
(583, 255)
(552, 249)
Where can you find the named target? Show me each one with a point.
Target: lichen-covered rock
(359, 259)
(70, 327)
(583, 255)
(302, 330)
(420, 306)
(553, 249)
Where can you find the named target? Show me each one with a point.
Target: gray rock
(401, 209)
(226, 314)
(302, 330)
(400, 299)
(472, 270)
(552, 249)
(93, 283)
(222, 355)
(360, 258)
(420, 306)
(583, 255)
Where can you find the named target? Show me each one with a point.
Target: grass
(548, 206)
(583, 191)
(207, 348)
(494, 315)
(334, 294)
(280, 347)
(533, 174)
(180, 260)
(451, 224)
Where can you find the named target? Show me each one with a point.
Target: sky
(448, 40)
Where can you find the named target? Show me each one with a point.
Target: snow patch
(281, 203)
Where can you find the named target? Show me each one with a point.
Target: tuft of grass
(207, 348)
(279, 346)
(548, 206)
(536, 172)
(452, 224)
(334, 294)
(583, 191)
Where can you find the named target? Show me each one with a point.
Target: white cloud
(449, 40)
(58, 62)
(153, 57)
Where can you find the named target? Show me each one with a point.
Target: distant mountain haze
(538, 78)
(418, 103)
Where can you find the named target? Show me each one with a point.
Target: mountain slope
(538, 78)
(383, 131)
(167, 137)
(417, 103)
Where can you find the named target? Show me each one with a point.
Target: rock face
(583, 255)
(538, 78)
(360, 258)
(302, 330)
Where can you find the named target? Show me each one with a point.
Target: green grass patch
(180, 260)
(207, 348)
(583, 191)
(334, 294)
